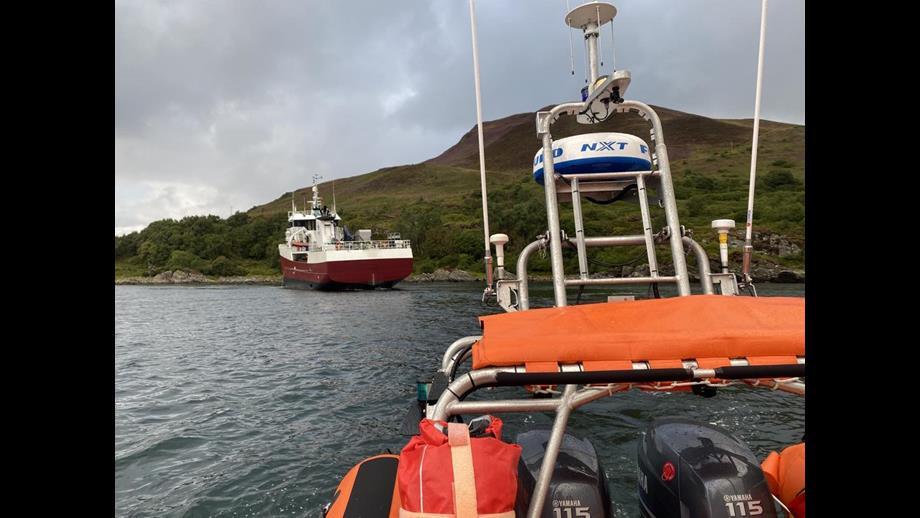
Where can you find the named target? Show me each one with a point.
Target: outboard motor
(689, 469)
(578, 488)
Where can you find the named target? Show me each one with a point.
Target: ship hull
(368, 273)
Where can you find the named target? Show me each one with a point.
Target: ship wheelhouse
(309, 224)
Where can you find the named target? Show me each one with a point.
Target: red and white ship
(320, 253)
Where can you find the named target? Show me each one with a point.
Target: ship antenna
(600, 52)
(613, 48)
(748, 247)
(487, 259)
(333, 198)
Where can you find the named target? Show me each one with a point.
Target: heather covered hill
(437, 203)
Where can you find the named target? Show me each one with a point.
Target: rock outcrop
(184, 277)
(442, 275)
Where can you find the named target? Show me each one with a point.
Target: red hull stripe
(369, 272)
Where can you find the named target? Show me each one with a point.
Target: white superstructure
(318, 235)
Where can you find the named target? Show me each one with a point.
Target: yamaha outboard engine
(578, 488)
(689, 469)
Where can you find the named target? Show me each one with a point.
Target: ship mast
(316, 199)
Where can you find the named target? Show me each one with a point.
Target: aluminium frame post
(579, 231)
(552, 452)
(552, 218)
(523, 286)
(647, 227)
(667, 194)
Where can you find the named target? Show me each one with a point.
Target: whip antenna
(613, 48)
(487, 259)
(600, 52)
(748, 247)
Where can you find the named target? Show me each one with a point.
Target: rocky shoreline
(771, 273)
(444, 275)
(195, 278)
(183, 277)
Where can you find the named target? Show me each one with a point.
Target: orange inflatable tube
(368, 489)
(785, 474)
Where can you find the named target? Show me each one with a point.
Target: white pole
(591, 33)
(748, 248)
(482, 155)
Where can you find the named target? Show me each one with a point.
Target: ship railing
(382, 244)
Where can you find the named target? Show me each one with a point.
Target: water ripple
(235, 401)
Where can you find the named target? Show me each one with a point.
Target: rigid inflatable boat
(459, 463)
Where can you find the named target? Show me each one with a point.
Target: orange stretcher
(711, 329)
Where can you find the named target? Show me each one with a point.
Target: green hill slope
(437, 203)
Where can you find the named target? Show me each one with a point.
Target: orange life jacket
(785, 474)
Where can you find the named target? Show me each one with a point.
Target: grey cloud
(233, 102)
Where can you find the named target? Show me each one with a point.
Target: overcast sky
(225, 104)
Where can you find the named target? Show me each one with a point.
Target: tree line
(208, 244)
(450, 235)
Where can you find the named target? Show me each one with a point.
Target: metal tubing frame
(449, 404)
(523, 288)
(615, 240)
(449, 355)
(608, 176)
(667, 193)
(441, 411)
(647, 227)
(563, 410)
(544, 122)
(620, 280)
(702, 263)
(579, 231)
(523, 282)
(581, 398)
(552, 218)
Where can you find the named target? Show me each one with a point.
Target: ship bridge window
(309, 224)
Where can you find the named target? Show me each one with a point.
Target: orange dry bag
(445, 473)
